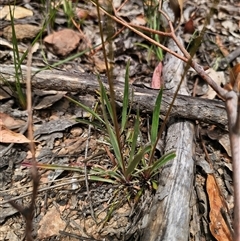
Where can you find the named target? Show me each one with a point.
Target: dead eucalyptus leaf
(23, 31)
(218, 77)
(18, 12)
(62, 42)
(157, 82)
(218, 226)
(234, 78)
(177, 7)
(8, 136)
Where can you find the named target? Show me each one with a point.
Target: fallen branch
(186, 107)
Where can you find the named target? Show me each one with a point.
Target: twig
(43, 189)
(28, 212)
(233, 108)
(223, 64)
(124, 23)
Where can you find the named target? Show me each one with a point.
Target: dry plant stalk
(28, 212)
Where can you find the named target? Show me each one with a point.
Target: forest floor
(66, 207)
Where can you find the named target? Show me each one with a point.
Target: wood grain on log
(169, 216)
(186, 107)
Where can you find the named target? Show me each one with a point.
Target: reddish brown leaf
(9, 122)
(63, 42)
(157, 82)
(235, 78)
(8, 136)
(218, 227)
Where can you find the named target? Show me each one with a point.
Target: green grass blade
(105, 100)
(65, 60)
(115, 146)
(110, 174)
(55, 167)
(102, 179)
(155, 117)
(125, 98)
(86, 109)
(161, 161)
(111, 133)
(21, 97)
(154, 185)
(134, 139)
(136, 160)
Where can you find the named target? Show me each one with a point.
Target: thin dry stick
(124, 23)
(233, 109)
(28, 212)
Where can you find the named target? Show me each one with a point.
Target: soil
(68, 207)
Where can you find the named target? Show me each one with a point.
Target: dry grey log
(169, 216)
(186, 107)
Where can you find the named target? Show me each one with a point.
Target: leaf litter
(74, 206)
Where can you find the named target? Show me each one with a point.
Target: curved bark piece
(209, 111)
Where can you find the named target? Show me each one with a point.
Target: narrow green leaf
(105, 100)
(138, 195)
(125, 98)
(111, 133)
(96, 171)
(154, 185)
(116, 149)
(161, 161)
(55, 167)
(86, 109)
(136, 160)
(155, 117)
(134, 139)
(102, 179)
(21, 97)
(142, 45)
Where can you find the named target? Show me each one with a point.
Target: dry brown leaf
(234, 79)
(62, 42)
(223, 138)
(177, 7)
(18, 12)
(139, 20)
(219, 78)
(4, 94)
(10, 123)
(8, 136)
(219, 43)
(157, 82)
(49, 100)
(225, 142)
(100, 64)
(23, 31)
(51, 224)
(234, 72)
(218, 226)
